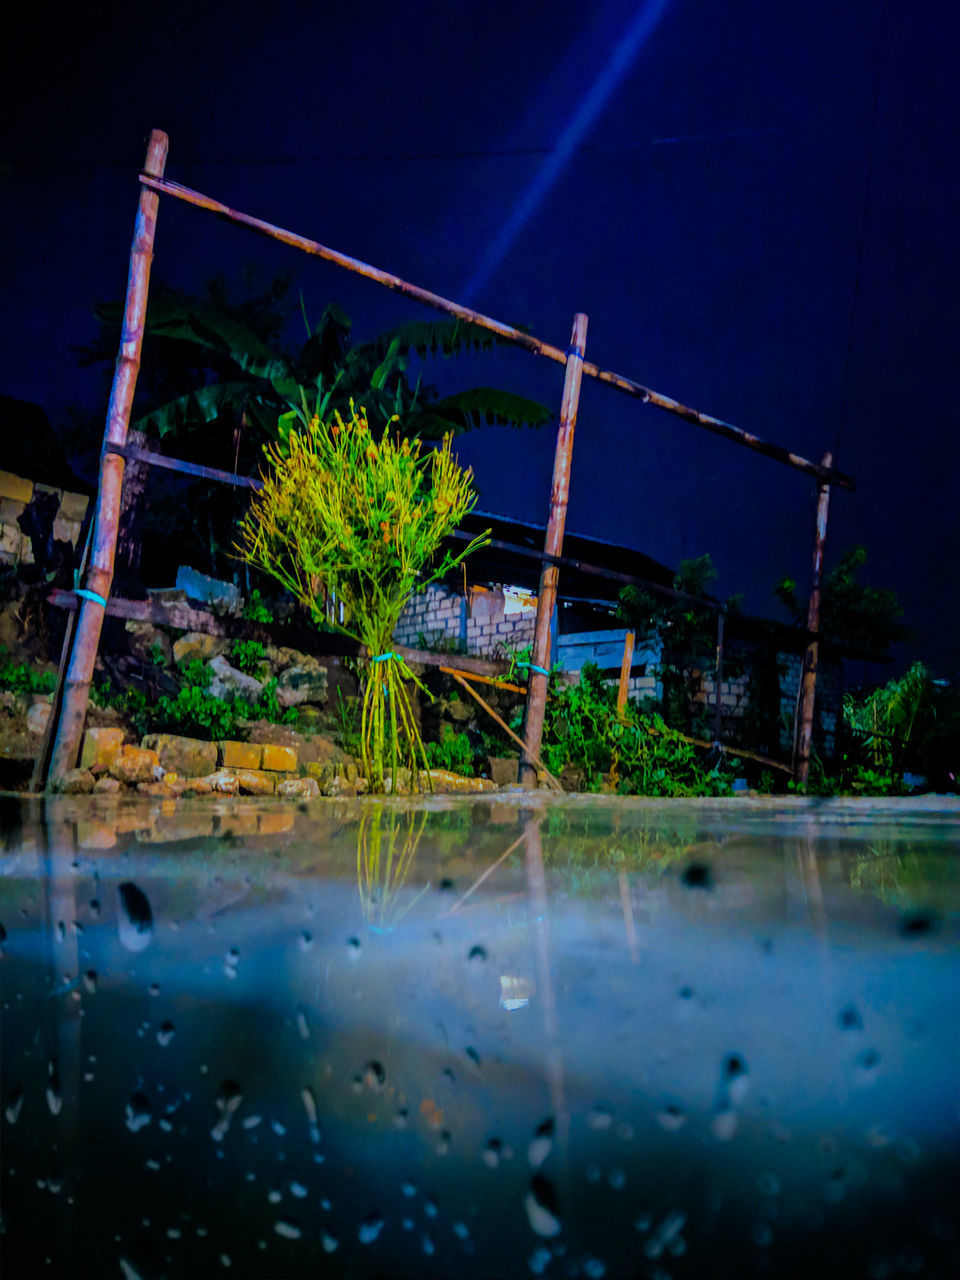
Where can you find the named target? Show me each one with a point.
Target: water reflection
(474, 1039)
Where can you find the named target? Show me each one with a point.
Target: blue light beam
(583, 118)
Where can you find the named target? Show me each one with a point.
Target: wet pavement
(535, 1036)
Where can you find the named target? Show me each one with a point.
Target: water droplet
(594, 1269)
(374, 1076)
(94, 906)
(134, 918)
(154, 988)
(401, 1119)
(90, 981)
(54, 1092)
(407, 1224)
(430, 1207)
(251, 1122)
(139, 1112)
(288, 1229)
(274, 1196)
(477, 954)
(14, 1104)
(461, 1231)
(165, 1034)
(408, 1189)
(130, 1272)
(298, 1190)
(601, 1117)
(540, 1203)
(427, 1245)
(592, 1173)
(850, 1019)
(867, 1065)
(541, 1144)
(768, 1184)
(229, 1097)
(671, 1117)
(278, 1128)
(617, 1179)
(330, 1243)
(697, 875)
(762, 1234)
(309, 1100)
(918, 923)
(539, 1261)
(353, 948)
(306, 940)
(370, 1228)
(303, 1026)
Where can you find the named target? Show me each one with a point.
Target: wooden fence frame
(82, 641)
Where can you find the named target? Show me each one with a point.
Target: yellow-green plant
(351, 526)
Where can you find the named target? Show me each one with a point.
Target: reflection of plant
(638, 755)
(387, 843)
(349, 525)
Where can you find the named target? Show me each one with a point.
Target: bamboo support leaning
(557, 786)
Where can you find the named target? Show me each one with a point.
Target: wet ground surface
(579, 1037)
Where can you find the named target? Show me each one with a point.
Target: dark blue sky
(695, 175)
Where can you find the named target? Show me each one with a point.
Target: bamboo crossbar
(133, 454)
(499, 684)
(508, 332)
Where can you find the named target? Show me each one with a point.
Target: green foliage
(910, 723)
(638, 755)
(20, 677)
(157, 654)
(256, 610)
(351, 527)
(685, 632)
(863, 618)
(452, 752)
(248, 656)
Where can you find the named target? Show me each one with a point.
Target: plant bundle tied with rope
(352, 527)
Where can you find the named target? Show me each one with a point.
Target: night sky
(756, 205)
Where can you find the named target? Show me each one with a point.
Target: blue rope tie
(533, 667)
(90, 595)
(385, 657)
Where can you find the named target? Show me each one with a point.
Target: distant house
(488, 608)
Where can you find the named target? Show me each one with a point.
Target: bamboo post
(553, 545)
(99, 579)
(808, 685)
(625, 664)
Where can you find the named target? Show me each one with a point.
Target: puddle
(571, 1037)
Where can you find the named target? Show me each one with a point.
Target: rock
(225, 781)
(240, 755)
(135, 765)
(303, 682)
(76, 782)
(447, 783)
(254, 782)
(339, 786)
(100, 748)
(37, 717)
(188, 757)
(106, 787)
(504, 770)
(230, 683)
(197, 645)
(457, 710)
(223, 597)
(298, 789)
(176, 786)
(279, 759)
(149, 643)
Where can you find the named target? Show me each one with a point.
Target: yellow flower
(371, 453)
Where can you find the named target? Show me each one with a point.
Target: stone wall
(15, 494)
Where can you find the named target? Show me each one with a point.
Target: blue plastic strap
(533, 667)
(385, 657)
(90, 595)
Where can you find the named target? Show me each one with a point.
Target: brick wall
(478, 621)
(15, 494)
